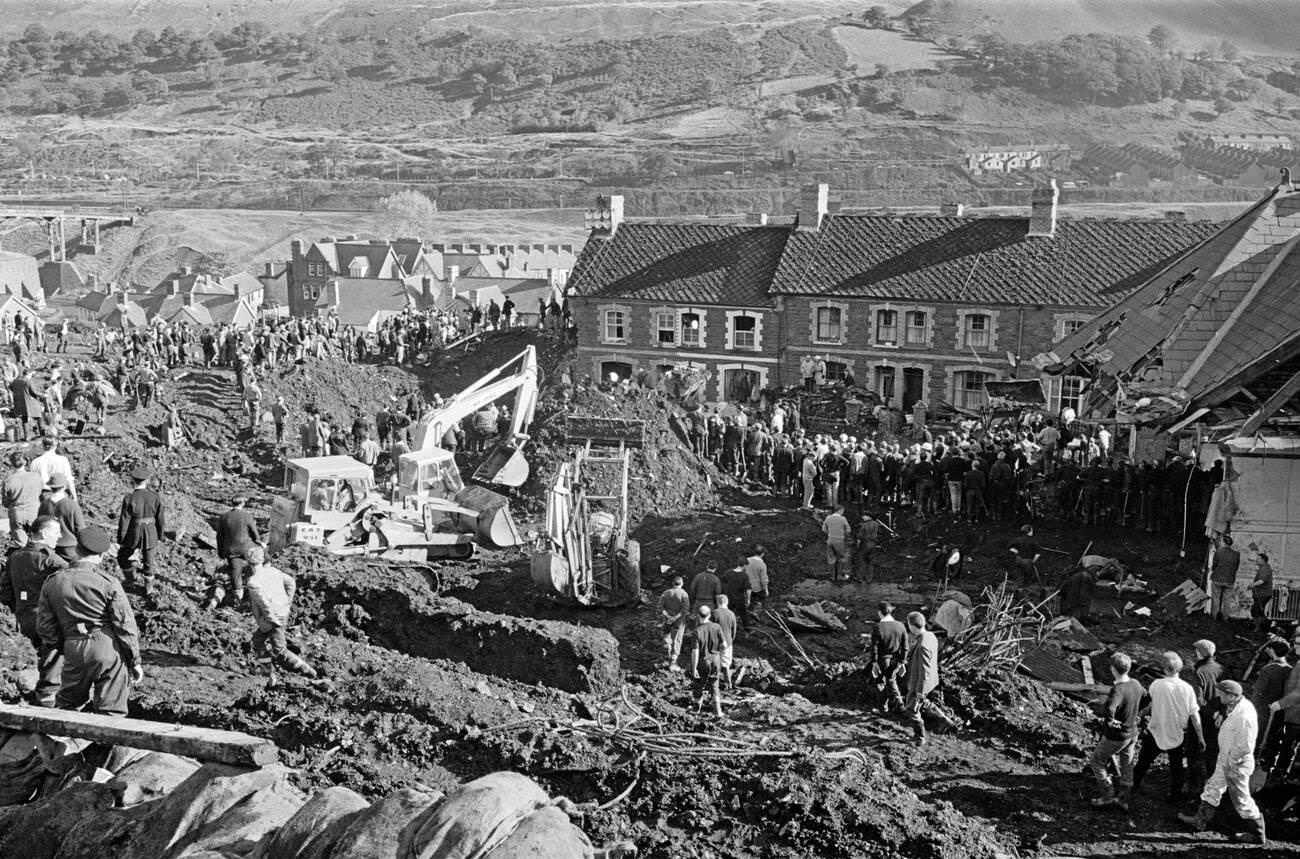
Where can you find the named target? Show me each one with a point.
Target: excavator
(585, 555)
(430, 512)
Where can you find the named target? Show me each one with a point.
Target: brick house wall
(601, 352)
(935, 354)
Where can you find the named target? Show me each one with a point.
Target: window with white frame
(665, 327)
(917, 330)
(692, 328)
(886, 327)
(316, 269)
(977, 330)
(306, 292)
(615, 325)
(828, 324)
(744, 332)
(1068, 324)
(1064, 392)
(968, 388)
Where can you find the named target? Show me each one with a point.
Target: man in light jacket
(1232, 770)
(270, 595)
(922, 675)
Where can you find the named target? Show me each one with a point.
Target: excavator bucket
(493, 526)
(505, 465)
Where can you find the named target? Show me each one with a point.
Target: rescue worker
(140, 528)
(868, 533)
(65, 508)
(1233, 768)
(22, 493)
(236, 534)
(706, 660)
(922, 675)
(888, 655)
(270, 596)
(84, 614)
(20, 588)
(51, 462)
(1025, 554)
(674, 606)
(837, 531)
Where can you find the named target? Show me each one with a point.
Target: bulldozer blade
(505, 465)
(493, 526)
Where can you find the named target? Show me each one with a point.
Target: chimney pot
(1042, 210)
(814, 205)
(758, 219)
(602, 221)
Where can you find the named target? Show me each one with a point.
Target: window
(744, 332)
(315, 293)
(885, 383)
(306, 292)
(836, 371)
(977, 331)
(830, 324)
(1072, 326)
(968, 388)
(316, 269)
(1069, 324)
(917, 328)
(1064, 392)
(666, 325)
(691, 329)
(886, 327)
(615, 326)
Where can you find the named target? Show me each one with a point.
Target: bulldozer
(585, 555)
(332, 501)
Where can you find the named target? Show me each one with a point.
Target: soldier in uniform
(20, 589)
(84, 614)
(236, 534)
(139, 527)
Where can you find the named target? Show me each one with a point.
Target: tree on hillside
(1162, 38)
(409, 213)
(876, 16)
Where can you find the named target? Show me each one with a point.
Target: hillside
(1271, 26)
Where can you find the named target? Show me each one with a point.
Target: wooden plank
(1270, 407)
(204, 744)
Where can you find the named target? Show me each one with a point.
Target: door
(913, 387)
(739, 386)
(615, 371)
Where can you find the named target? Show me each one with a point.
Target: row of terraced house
(914, 307)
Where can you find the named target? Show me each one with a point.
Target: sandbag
(178, 819)
(21, 779)
(474, 818)
(377, 831)
(545, 834)
(313, 819)
(244, 825)
(150, 776)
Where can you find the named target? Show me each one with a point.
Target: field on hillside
(1253, 25)
(866, 48)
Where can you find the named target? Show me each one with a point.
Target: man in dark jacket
(26, 403)
(1076, 594)
(65, 508)
(139, 528)
(20, 589)
(236, 534)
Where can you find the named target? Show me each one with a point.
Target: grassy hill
(1271, 26)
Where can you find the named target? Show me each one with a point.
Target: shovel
(1260, 775)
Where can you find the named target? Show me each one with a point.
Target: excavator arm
(506, 464)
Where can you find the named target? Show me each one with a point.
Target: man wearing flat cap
(84, 614)
(1233, 767)
(139, 528)
(65, 508)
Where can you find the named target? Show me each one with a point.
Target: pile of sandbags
(155, 806)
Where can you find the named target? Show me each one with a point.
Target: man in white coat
(1232, 770)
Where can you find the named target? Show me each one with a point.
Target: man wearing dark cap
(1233, 767)
(84, 614)
(236, 534)
(139, 528)
(65, 508)
(20, 589)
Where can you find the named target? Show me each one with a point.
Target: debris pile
(992, 634)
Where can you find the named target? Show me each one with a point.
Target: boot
(1253, 832)
(1201, 819)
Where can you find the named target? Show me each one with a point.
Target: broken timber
(204, 744)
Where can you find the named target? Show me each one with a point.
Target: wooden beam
(1279, 398)
(204, 744)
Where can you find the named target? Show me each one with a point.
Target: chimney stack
(952, 210)
(604, 220)
(175, 286)
(1042, 210)
(453, 274)
(426, 289)
(333, 294)
(757, 219)
(814, 205)
(295, 249)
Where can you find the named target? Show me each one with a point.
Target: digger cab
(328, 489)
(430, 482)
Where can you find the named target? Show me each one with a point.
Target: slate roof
(682, 263)
(1222, 314)
(361, 299)
(990, 261)
(61, 277)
